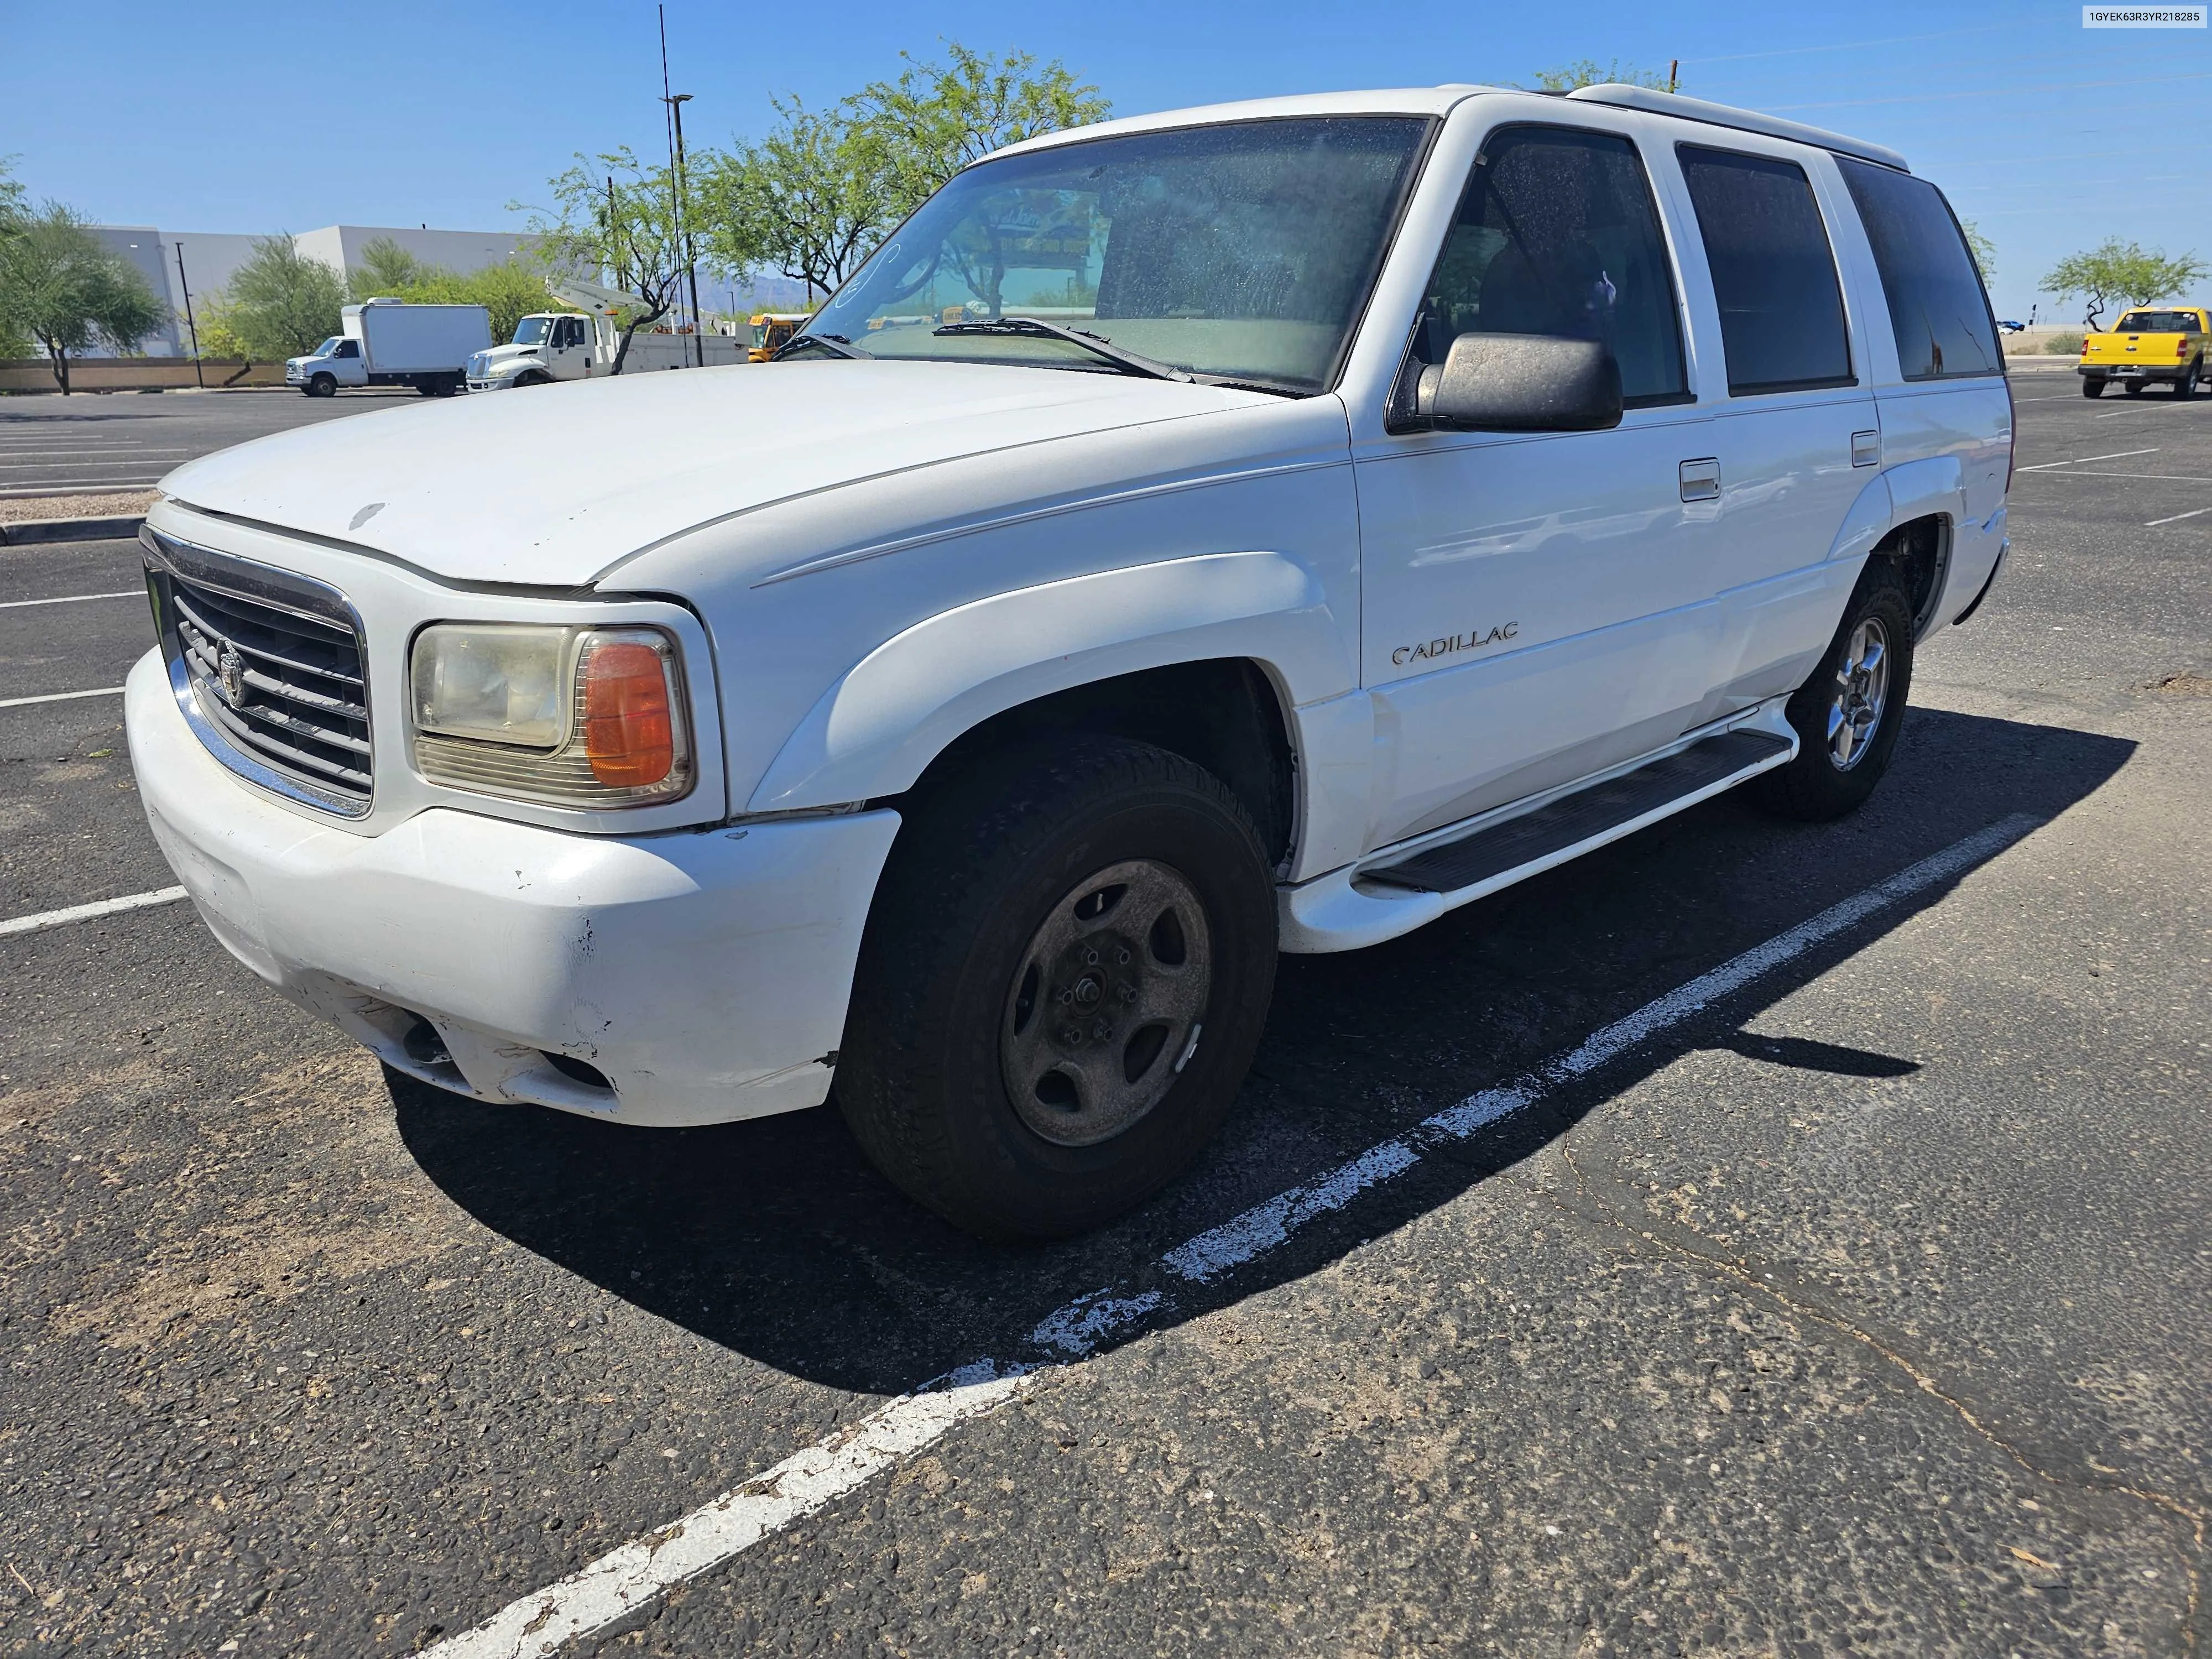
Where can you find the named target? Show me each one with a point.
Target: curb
(28, 530)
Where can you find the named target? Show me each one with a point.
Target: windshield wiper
(836, 345)
(1098, 345)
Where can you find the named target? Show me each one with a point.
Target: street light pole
(675, 102)
(684, 230)
(199, 375)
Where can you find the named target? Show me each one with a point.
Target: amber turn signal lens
(630, 731)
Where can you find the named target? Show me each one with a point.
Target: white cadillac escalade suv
(1257, 528)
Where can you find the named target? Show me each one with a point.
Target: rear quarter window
(1937, 309)
(1774, 273)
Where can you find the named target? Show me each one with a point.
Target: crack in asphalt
(1613, 1208)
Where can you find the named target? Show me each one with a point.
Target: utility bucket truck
(392, 343)
(553, 345)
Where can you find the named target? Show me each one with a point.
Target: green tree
(937, 119)
(12, 342)
(278, 304)
(812, 198)
(61, 287)
(1984, 250)
(386, 268)
(2121, 272)
(615, 221)
(1589, 72)
(809, 200)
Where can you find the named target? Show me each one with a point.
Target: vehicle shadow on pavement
(775, 1239)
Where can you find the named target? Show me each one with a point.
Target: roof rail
(1744, 120)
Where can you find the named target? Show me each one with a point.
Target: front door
(1535, 605)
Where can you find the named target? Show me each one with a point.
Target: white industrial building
(209, 258)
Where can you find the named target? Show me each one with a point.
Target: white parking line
(626, 1579)
(73, 599)
(2156, 478)
(60, 696)
(2083, 460)
(46, 919)
(2193, 513)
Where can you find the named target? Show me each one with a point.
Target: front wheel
(2134, 388)
(1061, 986)
(2093, 386)
(1848, 714)
(323, 386)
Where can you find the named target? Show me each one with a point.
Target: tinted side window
(1556, 234)
(1774, 275)
(1936, 306)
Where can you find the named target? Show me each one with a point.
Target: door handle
(1866, 449)
(1701, 480)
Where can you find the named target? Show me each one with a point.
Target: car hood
(553, 485)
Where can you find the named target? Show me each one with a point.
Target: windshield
(2157, 322)
(1244, 251)
(327, 346)
(532, 330)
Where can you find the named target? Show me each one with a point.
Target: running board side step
(1364, 904)
(1585, 815)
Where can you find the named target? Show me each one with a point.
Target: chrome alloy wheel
(1105, 1008)
(1862, 693)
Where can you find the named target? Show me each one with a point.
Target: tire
(323, 386)
(1832, 774)
(531, 377)
(2133, 388)
(988, 927)
(2186, 385)
(2093, 386)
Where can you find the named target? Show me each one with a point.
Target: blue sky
(237, 117)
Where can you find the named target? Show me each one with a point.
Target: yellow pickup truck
(2147, 345)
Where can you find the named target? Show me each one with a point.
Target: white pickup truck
(394, 342)
(960, 712)
(587, 343)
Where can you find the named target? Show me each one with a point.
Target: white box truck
(585, 344)
(392, 343)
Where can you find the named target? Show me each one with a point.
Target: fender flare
(874, 731)
(1931, 489)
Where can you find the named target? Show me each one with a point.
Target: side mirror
(1521, 383)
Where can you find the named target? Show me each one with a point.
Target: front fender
(873, 733)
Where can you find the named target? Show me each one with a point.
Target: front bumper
(703, 974)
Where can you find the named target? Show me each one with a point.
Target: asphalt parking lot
(1857, 1297)
(126, 441)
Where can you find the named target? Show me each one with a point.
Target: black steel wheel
(1062, 984)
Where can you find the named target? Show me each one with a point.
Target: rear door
(1946, 416)
(1534, 606)
(1796, 440)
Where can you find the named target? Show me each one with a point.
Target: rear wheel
(1061, 987)
(1848, 714)
(2093, 386)
(2186, 385)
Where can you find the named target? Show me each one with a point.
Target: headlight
(591, 717)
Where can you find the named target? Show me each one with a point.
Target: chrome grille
(285, 690)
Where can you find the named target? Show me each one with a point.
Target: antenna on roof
(1674, 68)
